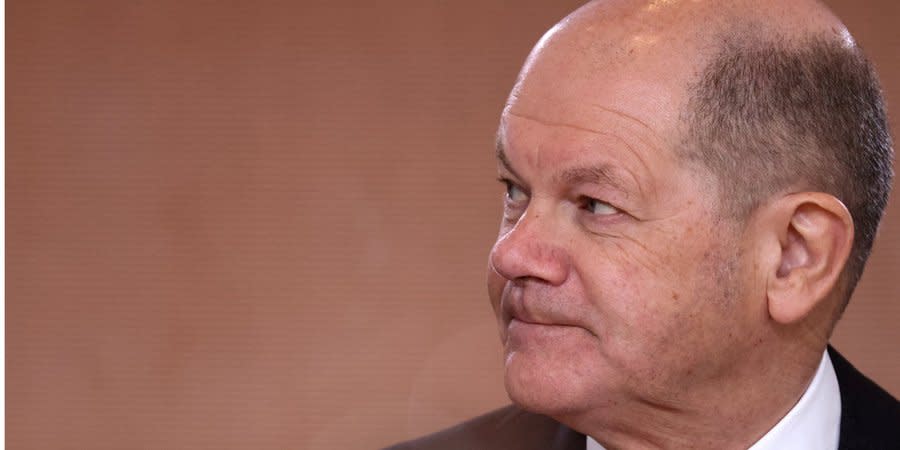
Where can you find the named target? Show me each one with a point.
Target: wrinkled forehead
(581, 74)
(640, 56)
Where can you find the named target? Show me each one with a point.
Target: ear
(814, 231)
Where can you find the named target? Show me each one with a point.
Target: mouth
(516, 308)
(525, 315)
(521, 336)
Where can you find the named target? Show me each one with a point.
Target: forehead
(575, 89)
(621, 127)
(626, 61)
(555, 148)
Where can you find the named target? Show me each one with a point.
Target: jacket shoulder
(870, 416)
(505, 428)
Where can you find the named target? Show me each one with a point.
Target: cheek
(652, 298)
(628, 279)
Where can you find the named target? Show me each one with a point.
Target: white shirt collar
(812, 424)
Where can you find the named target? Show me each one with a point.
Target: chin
(556, 388)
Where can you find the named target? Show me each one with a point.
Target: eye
(514, 193)
(598, 207)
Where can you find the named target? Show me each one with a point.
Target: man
(692, 189)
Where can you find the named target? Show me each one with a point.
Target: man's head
(677, 174)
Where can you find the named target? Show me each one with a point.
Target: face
(613, 278)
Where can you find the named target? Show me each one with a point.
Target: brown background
(265, 224)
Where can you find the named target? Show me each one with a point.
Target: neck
(759, 392)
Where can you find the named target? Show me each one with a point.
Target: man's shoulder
(506, 428)
(870, 416)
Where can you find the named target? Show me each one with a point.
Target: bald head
(662, 45)
(763, 97)
(687, 28)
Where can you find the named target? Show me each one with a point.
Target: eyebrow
(601, 174)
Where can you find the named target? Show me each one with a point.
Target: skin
(629, 308)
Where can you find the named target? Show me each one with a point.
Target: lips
(514, 307)
(530, 309)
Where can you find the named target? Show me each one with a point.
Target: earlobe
(815, 232)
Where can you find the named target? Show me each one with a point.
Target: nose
(530, 250)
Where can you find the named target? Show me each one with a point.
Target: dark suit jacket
(870, 419)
